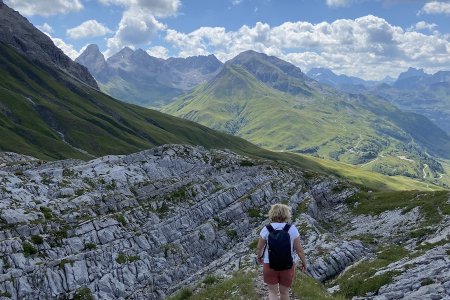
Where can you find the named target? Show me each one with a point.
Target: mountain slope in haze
(20, 34)
(250, 98)
(414, 91)
(422, 93)
(136, 77)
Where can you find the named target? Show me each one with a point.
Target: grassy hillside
(39, 105)
(353, 129)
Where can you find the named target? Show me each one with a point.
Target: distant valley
(272, 103)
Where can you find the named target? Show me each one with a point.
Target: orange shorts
(285, 277)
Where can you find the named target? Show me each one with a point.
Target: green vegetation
(83, 294)
(360, 278)
(431, 204)
(5, 294)
(232, 233)
(86, 118)
(48, 214)
(246, 163)
(28, 249)
(210, 279)
(306, 287)
(121, 219)
(63, 262)
(254, 213)
(183, 294)
(355, 129)
(91, 246)
(123, 258)
(37, 239)
(38, 102)
(239, 286)
(253, 245)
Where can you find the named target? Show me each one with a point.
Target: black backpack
(279, 247)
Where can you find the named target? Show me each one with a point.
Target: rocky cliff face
(146, 224)
(93, 58)
(17, 32)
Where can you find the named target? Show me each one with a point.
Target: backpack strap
(270, 229)
(287, 227)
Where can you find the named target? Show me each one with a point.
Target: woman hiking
(276, 245)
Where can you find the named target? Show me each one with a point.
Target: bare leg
(273, 291)
(284, 292)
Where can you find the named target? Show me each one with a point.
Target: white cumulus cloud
(422, 25)
(367, 47)
(44, 7)
(135, 28)
(436, 7)
(338, 3)
(158, 51)
(139, 23)
(89, 28)
(68, 49)
(157, 8)
(45, 28)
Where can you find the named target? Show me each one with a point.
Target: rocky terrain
(144, 225)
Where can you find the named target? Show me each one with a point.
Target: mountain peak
(412, 72)
(92, 58)
(273, 71)
(315, 72)
(17, 32)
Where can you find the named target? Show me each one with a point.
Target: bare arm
(299, 249)
(260, 249)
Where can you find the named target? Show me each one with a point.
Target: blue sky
(365, 38)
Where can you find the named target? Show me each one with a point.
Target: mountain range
(272, 103)
(413, 90)
(136, 77)
(48, 112)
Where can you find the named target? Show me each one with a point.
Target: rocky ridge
(144, 225)
(136, 77)
(18, 32)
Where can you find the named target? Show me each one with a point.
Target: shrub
(232, 233)
(254, 213)
(28, 249)
(210, 279)
(48, 214)
(121, 258)
(183, 294)
(37, 239)
(63, 262)
(121, 219)
(83, 294)
(246, 163)
(91, 246)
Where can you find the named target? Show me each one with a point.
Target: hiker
(275, 251)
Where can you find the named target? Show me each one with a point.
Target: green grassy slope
(37, 102)
(349, 128)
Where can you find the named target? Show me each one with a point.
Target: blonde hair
(280, 213)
